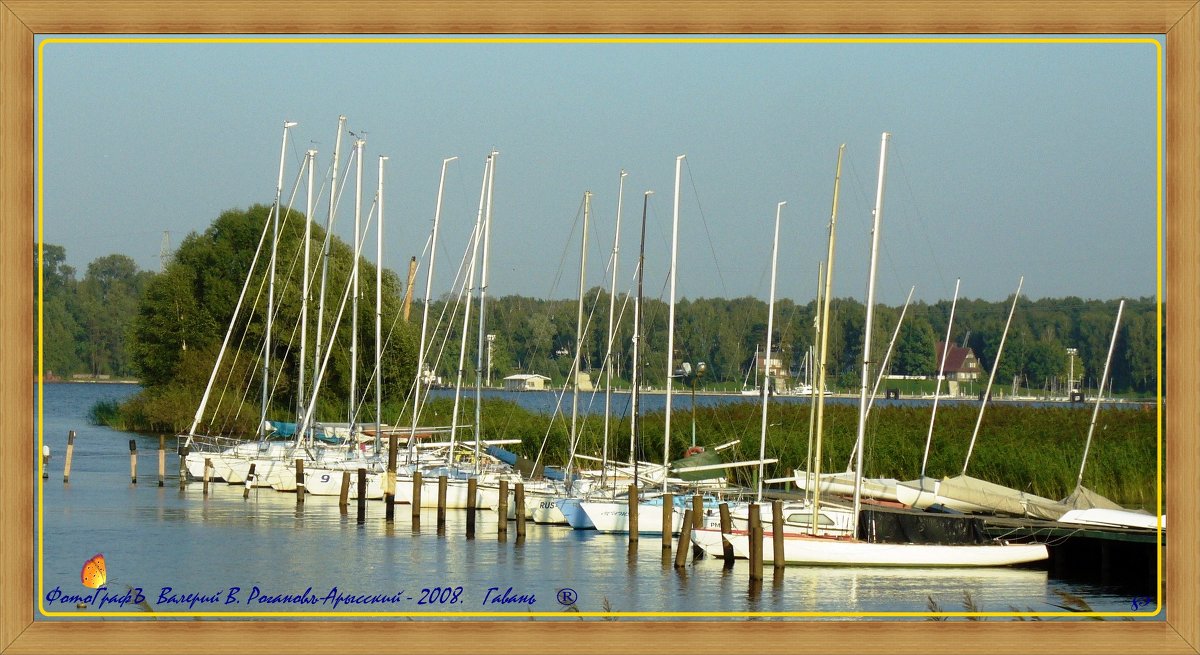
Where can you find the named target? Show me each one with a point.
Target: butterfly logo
(94, 573)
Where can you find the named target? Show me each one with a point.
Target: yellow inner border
(611, 40)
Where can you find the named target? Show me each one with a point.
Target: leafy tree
(915, 349)
(108, 298)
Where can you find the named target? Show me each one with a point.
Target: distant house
(525, 382)
(961, 363)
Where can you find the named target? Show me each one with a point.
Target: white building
(525, 382)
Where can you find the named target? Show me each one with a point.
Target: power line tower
(164, 252)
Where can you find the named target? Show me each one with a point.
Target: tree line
(166, 328)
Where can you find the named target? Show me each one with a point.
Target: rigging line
(704, 221)
(566, 246)
(920, 218)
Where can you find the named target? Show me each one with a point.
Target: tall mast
(636, 376)
(379, 305)
(483, 284)
(671, 325)
(883, 366)
(469, 287)
(937, 392)
(266, 392)
(437, 216)
(612, 306)
(1099, 395)
(866, 366)
(358, 148)
(337, 149)
(812, 375)
(816, 461)
(587, 209)
(762, 444)
(309, 161)
(987, 394)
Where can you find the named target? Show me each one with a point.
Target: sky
(1005, 159)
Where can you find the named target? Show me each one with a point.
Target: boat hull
(815, 551)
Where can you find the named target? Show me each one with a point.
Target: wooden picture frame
(21, 20)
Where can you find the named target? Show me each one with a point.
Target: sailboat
(810, 549)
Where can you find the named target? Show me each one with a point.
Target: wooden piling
(633, 513)
(67, 462)
(184, 451)
(520, 509)
(344, 494)
(777, 531)
(472, 485)
(416, 497)
(502, 524)
(162, 460)
(299, 481)
(249, 481)
(697, 522)
(362, 495)
(726, 528)
(441, 503)
(389, 486)
(45, 461)
(668, 510)
(133, 461)
(685, 536)
(755, 534)
(207, 474)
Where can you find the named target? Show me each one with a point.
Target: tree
(61, 332)
(915, 349)
(108, 299)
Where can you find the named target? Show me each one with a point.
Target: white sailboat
(816, 550)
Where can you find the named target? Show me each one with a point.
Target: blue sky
(1006, 159)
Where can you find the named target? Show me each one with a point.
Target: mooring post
(362, 495)
(249, 480)
(685, 535)
(633, 513)
(389, 485)
(755, 539)
(668, 511)
(162, 460)
(697, 522)
(207, 473)
(416, 497)
(520, 510)
(70, 451)
(726, 528)
(441, 504)
(777, 531)
(502, 510)
(133, 461)
(299, 481)
(45, 461)
(184, 451)
(472, 485)
(344, 493)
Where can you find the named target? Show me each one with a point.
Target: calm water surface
(153, 538)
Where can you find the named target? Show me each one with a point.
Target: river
(188, 555)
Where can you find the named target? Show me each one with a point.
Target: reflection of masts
(815, 464)
(762, 444)
(437, 216)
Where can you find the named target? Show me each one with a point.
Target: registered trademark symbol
(567, 596)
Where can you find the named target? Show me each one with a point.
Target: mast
(671, 326)
(815, 469)
(437, 215)
(310, 159)
(612, 306)
(992, 376)
(812, 375)
(587, 208)
(483, 284)
(379, 305)
(469, 286)
(266, 369)
(883, 366)
(636, 376)
(337, 149)
(937, 392)
(358, 147)
(1099, 395)
(762, 443)
(866, 366)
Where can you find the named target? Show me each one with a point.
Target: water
(156, 538)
